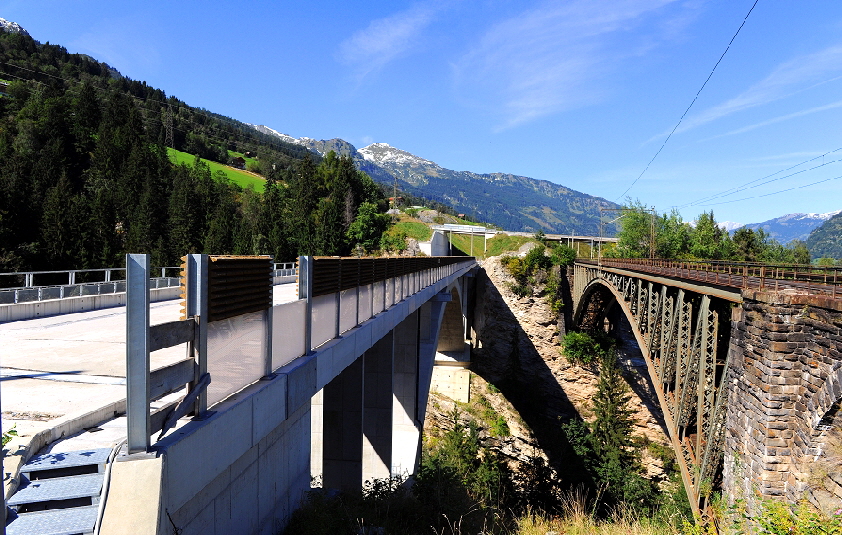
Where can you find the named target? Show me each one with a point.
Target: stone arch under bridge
(683, 333)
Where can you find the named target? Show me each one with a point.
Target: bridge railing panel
(288, 332)
(323, 319)
(348, 309)
(365, 302)
(378, 299)
(236, 354)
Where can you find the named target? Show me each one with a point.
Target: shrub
(584, 348)
(563, 255)
(535, 259)
(393, 241)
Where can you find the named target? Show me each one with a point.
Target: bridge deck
(67, 364)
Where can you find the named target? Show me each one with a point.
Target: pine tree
(613, 424)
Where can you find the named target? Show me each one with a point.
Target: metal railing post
(197, 307)
(268, 319)
(305, 291)
(137, 352)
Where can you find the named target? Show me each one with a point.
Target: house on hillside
(239, 162)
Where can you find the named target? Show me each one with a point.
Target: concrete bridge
(331, 387)
(745, 361)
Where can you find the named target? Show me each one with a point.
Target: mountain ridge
(512, 202)
(826, 240)
(788, 227)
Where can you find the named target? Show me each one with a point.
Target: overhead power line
(683, 115)
(775, 192)
(748, 185)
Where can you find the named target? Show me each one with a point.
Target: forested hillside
(826, 241)
(85, 176)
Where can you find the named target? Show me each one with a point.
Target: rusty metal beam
(681, 360)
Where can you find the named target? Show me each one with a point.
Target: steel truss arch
(677, 332)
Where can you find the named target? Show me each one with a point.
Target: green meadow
(241, 178)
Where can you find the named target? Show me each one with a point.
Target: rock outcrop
(517, 350)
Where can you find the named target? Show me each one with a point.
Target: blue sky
(578, 92)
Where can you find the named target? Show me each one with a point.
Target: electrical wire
(774, 192)
(691, 103)
(744, 187)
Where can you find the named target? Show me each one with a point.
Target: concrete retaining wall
(437, 246)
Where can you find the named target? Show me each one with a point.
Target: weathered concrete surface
(133, 497)
(785, 383)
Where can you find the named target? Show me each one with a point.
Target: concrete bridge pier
(342, 411)
(367, 421)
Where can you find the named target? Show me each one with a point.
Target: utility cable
(774, 192)
(742, 187)
(691, 103)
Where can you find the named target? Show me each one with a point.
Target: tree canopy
(702, 239)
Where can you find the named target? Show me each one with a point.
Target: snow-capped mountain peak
(383, 153)
(273, 132)
(729, 226)
(12, 27)
(811, 216)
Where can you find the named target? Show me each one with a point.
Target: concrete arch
(452, 333)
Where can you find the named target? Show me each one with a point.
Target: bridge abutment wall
(783, 380)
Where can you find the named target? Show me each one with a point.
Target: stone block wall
(783, 380)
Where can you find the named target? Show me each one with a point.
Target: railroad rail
(816, 280)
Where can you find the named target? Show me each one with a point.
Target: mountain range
(787, 227)
(826, 240)
(511, 202)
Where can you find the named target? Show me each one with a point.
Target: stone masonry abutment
(784, 384)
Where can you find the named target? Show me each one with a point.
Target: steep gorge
(519, 371)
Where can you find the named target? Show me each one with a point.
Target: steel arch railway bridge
(690, 320)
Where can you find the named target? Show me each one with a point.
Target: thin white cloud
(385, 39)
(792, 77)
(548, 59)
(817, 109)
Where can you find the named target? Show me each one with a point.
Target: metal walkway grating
(59, 493)
(78, 520)
(59, 488)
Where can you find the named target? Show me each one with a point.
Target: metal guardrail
(333, 274)
(29, 276)
(30, 292)
(321, 285)
(284, 269)
(44, 293)
(815, 280)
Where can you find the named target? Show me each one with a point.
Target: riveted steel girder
(677, 330)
